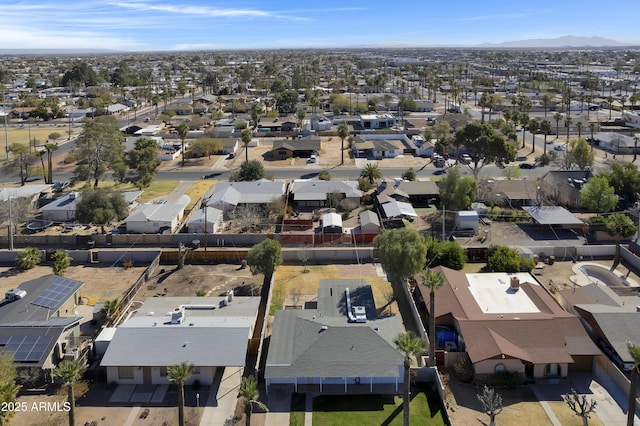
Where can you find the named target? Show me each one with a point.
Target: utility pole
(10, 226)
(206, 224)
(443, 220)
(6, 131)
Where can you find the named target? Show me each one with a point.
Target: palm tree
(69, 372)
(371, 172)
(178, 374)
(567, 123)
(592, 127)
(610, 102)
(507, 114)
(246, 137)
(545, 101)
(579, 127)
(249, 393)
(183, 131)
(110, 308)
(557, 117)
(343, 132)
(545, 128)
(524, 121)
(434, 280)
(534, 126)
(50, 148)
(410, 345)
(634, 351)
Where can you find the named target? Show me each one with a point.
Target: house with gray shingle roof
(342, 346)
(304, 147)
(158, 216)
(228, 195)
(318, 193)
(208, 332)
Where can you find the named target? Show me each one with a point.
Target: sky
(165, 25)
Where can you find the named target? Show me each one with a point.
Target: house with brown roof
(506, 322)
(286, 148)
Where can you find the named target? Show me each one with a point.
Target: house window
(125, 372)
(552, 370)
(196, 371)
(500, 368)
(163, 371)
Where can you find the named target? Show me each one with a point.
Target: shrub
(507, 379)
(324, 175)
(463, 368)
(29, 258)
(201, 293)
(409, 174)
(364, 184)
(527, 264)
(127, 264)
(61, 262)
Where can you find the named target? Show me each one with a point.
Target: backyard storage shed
(467, 220)
(332, 223)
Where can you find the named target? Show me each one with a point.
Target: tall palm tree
(610, 102)
(249, 393)
(567, 123)
(545, 101)
(634, 351)
(434, 280)
(592, 127)
(410, 345)
(246, 137)
(69, 372)
(579, 127)
(343, 132)
(183, 132)
(371, 172)
(557, 117)
(534, 126)
(178, 374)
(524, 121)
(50, 148)
(545, 128)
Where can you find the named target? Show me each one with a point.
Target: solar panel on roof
(57, 292)
(4, 340)
(28, 348)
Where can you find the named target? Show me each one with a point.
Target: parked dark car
(60, 186)
(527, 166)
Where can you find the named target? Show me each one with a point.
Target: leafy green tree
(625, 179)
(99, 148)
(69, 373)
(29, 258)
(264, 257)
(409, 174)
(250, 394)
(178, 374)
(254, 113)
(457, 192)
(434, 280)
(143, 162)
(619, 226)
(248, 171)
(205, 146)
(485, 146)
(80, 75)
(580, 405)
(491, 402)
(61, 262)
(402, 253)
(286, 101)
(99, 206)
(634, 351)
(343, 133)
(597, 195)
(371, 172)
(580, 153)
(410, 345)
(183, 132)
(504, 259)
(445, 253)
(512, 172)
(247, 136)
(8, 386)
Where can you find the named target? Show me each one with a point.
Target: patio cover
(552, 215)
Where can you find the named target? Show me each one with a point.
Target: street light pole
(10, 225)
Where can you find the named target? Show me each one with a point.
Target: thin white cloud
(38, 39)
(203, 10)
(494, 17)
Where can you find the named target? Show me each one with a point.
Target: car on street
(527, 166)
(60, 186)
(466, 158)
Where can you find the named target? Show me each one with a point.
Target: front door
(146, 375)
(528, 371)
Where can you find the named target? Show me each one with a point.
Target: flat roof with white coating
(494, 295)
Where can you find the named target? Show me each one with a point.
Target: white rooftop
(493, 294)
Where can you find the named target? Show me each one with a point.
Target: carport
(553, 216)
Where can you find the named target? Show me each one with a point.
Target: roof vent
(637, 308)
(177, 317)
(323, 328)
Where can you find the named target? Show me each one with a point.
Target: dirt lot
(100, 283)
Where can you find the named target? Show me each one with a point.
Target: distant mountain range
(560, 42)
(47, 52)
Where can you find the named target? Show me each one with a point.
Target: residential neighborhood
(388, 236)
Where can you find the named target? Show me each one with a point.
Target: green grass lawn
(425, 409)
(296, 417)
